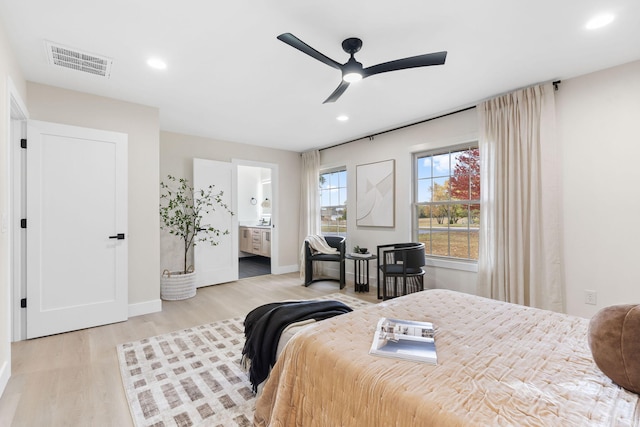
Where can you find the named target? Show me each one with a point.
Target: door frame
(275, 261)
(18, 115)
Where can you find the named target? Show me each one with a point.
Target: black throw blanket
(264, 325)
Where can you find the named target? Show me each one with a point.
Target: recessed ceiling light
(342, 118)
(156, 63)
(599, 21)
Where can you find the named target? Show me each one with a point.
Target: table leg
(361, 273)
(366, 285)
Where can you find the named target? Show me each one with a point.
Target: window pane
(459, 231)
(460, 187)
(424, 167)
(440, 190)
(441, 165)
(439, 234)
(343, 197)
(474, 230)
(474, 212)
(334, 180)
(439, 216)
(325, 215)
(459, 245)
(335, 193)
(474, 238)
(324, 181)
(470, 161)
(423, 214)
(458, 216)
(425, 190)
(325, 198)
(465, 180)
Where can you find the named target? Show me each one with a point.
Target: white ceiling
(229, 78)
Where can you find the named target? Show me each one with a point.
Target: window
(447, 202)
(333, 202)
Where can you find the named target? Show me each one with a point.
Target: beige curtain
(520, 241)
(309, 200)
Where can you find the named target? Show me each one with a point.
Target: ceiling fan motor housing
(352, 45)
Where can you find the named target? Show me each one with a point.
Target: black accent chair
(400, 269)
(337, 242)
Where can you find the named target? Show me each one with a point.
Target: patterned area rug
(193, 377)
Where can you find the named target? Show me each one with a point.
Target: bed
(499, 364)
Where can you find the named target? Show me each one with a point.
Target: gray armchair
(337, 242)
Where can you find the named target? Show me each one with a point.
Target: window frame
(465, 264)
(328, 171)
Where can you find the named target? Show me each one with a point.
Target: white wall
(599, 129)
(53, 104)
(400, 145)
(176, 155)
(8, 69)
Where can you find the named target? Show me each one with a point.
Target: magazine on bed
(405, 339)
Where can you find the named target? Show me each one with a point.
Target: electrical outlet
(590, 297)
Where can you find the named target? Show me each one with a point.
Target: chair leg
(342, 275)
(308, 273)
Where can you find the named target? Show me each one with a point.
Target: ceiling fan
(352, 70)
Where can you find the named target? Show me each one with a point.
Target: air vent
(75, 59)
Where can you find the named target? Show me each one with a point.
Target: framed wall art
(375, 194)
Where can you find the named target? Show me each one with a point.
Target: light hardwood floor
(73, 379)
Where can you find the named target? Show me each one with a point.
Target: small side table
(361, 273)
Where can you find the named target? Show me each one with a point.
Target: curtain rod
(398, 128)
(555, 83)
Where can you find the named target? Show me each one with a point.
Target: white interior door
(76, 208)
(216, 264)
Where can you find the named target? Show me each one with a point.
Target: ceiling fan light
(352, 71)
(352, 77)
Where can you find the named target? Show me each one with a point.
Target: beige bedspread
(498, 364)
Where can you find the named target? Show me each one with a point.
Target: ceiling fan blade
(436, 58)
(293, 41)
(336, 93)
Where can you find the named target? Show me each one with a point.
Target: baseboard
(285, 269)
(140, 308)
(5, 374)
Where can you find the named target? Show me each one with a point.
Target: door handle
(119, 236)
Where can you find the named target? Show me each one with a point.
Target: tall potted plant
(182, 212)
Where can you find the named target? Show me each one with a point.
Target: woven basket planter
(177, 285)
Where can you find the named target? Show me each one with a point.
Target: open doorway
(255, 219)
